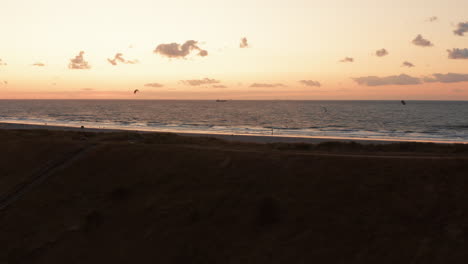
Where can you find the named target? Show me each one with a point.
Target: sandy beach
(232, 137)
(159, 197)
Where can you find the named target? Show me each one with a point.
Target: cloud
(153, 85)
(462, 28)
(381, 53)
(87, 89)
(310, 83)
(432, 19)
(39, 64)
(119, 58)
(219, 86)
(422, 42)
(243, 43)
(2, 63)
(447, 78)
(347, 59)
(78, 63)
(401, 79)
(200, 82)
(407, 64)
(457, 54)
(267, 85)
(175, 50)
(404, 79)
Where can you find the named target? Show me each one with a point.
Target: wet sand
(123, 197)
(239, 138)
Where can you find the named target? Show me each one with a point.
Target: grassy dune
(163, 198)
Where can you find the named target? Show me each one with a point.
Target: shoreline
(263, 139)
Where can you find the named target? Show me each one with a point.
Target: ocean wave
(302, 119)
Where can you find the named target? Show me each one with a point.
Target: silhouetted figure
(136, 91)
(403, 102)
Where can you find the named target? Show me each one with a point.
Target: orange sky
(293, 49)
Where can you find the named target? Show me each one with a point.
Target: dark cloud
(310, 83)
(422, 42)
(447, 78)
(153, 85)
(78, 63)
(457, 54)
(39, 64)
(462, 28)
(407, 64)
(432, 19)
(119, 58)
(347, 59)
(381, 53)
(243, 43)
(175, 50)
(200, 82)
(219, 86)
(2, 63)
(401, 79)
(267, 85)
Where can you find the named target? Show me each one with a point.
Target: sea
(437, 121)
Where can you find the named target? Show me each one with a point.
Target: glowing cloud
(457, 54)
(462, 28)
(422, 42)
(447, 78)
(401, 79)
(39, 64)
(219, 86)
(200, 82)
(267, 85)
(78, 63)
(381, 53)
(347, 59)
(243, 44)
(175, 50)
(153, 85)
(119, 58)
(310, 83)
(407, 64)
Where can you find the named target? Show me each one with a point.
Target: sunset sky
(296, 49)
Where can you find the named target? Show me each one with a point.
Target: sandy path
(42, 175)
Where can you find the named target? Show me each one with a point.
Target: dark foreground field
(71, 197)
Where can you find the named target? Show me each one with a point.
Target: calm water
(420, 120)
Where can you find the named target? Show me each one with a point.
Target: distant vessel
(221, 101)
(403, 102)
